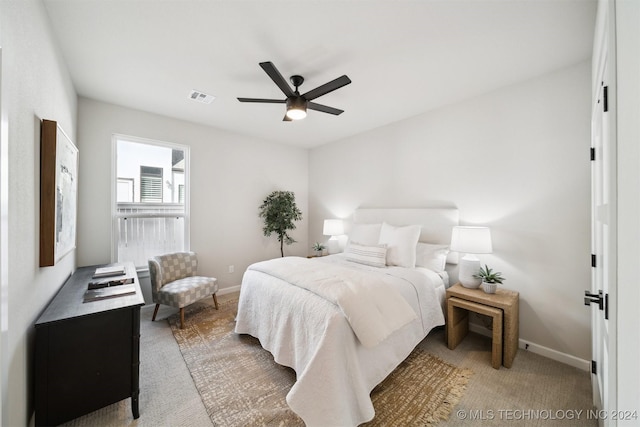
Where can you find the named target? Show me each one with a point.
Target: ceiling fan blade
(267, 101)
(286, 119)
(277, 78)
(327, 87)
(324, 108)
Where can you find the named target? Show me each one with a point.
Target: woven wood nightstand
(501, 306)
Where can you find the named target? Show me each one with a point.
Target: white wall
(230, 177)
(37, 86)
(515, 160)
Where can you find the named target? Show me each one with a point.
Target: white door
(603, 229)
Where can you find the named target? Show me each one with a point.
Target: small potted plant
(490, 279)
(318, 248)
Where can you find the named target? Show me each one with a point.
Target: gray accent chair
(174, 282)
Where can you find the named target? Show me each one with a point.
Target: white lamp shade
(333, 227)
(471, 240)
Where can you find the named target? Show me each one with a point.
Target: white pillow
(369, 255)
(433, 257)
(401, 244)
(365, 234)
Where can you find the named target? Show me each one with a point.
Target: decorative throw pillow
(365, 234)
(433, 257)
(368, 255)
(401, 244)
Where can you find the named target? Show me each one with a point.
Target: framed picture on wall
(58, 193)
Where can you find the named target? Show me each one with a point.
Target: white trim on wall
(228, 290)
(524, 345)
(4, 239)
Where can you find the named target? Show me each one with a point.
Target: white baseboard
(228, 290)
(547, 352)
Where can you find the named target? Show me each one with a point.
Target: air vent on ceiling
(201, 97)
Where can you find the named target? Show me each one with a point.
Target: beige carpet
(241, 385)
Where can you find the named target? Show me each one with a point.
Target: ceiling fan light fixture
(296, 114)
(296, 108)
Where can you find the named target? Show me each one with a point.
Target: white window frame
(114, 183)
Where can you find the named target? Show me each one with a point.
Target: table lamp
(470, 241)
(333, 228)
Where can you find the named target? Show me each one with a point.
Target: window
(150, 184)
(150, 212)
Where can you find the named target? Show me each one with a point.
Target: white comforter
(373, 309)
(335, 372)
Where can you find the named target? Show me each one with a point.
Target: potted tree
(490, 279)
(279, 211)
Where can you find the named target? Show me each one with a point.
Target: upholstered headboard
(436, 223)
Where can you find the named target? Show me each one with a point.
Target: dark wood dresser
(87, 354)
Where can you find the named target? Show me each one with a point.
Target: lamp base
(469, 265)
(333, 246)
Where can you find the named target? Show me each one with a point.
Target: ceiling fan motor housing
(296, 103)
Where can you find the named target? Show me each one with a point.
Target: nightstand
(502, 307)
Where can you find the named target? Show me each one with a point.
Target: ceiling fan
(297, 104)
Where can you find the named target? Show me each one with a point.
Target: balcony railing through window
(148, 229)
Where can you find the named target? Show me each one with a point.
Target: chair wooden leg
(215, 301)
(155, 312)
(182, 318)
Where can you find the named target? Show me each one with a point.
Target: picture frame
(58, 193)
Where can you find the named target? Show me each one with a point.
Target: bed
(344, 323)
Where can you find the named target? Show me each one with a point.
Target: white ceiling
(404, 57)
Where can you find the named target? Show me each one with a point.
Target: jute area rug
(241, 385)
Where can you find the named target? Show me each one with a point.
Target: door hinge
(594, 367)
(605, 100)
(593, 260)
(593, 153)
